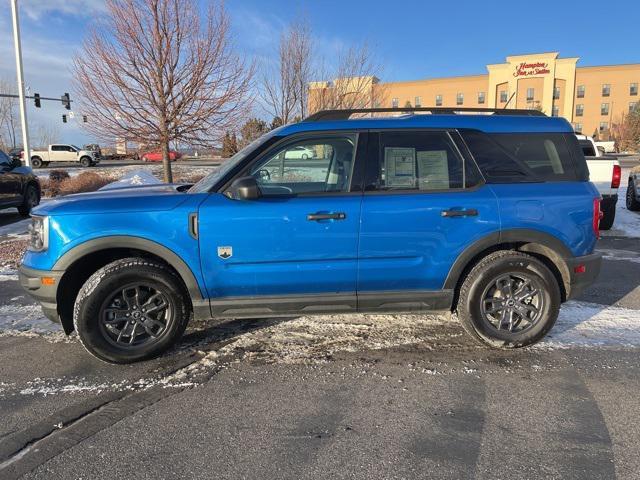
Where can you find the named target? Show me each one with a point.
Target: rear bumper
(31, 281)
(580, 280)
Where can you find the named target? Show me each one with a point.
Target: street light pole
(23, 107)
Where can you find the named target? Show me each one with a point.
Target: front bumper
(31, 281)
(579, 280)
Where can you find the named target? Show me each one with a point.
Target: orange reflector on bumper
(47, 281)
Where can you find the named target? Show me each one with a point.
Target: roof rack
(346, 114)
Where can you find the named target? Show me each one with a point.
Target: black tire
(608, 216)
(86, 162)
(633, 203)
(476, 292)
(31, 199)
(103, 313)
(36, 162)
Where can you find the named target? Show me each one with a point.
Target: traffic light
(84, 119)
(66, 101)
(64, 119)
(36, 99)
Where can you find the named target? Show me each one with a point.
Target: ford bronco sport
(488, 213)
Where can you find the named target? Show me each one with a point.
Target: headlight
(39, 234)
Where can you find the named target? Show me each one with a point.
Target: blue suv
(489, 214)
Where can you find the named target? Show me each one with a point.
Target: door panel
(407, 244)
(275, 250)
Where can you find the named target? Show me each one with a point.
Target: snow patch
(583, 324)
(8, 276)
(626, 223)
(28, 320)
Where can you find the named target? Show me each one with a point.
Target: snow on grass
(626, 223)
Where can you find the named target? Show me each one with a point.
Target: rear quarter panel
(561, 209)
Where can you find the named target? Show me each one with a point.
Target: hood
(146, 198)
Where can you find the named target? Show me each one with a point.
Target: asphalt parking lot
(361, 397)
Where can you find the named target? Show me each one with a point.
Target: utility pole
(23, 109)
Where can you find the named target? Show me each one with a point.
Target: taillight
(597, 215)
(617, 175)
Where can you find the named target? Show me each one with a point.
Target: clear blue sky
(413, 39)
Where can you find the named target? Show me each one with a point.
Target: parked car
(301, 152)
(605, 173)
(490, 216)
(156, 156)
(16, 153)
(94, 147)
(64, 153)
(633, 190)
(19, 187)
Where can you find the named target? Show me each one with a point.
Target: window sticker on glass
(433, 170)
(400, 166)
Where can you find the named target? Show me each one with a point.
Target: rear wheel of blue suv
(489, 216)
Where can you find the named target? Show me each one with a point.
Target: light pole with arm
(23, 109)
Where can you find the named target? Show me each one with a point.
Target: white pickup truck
(64, 153)
(605, 173)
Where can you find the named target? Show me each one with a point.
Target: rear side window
(418, 160)
(524, 157)
(587, 148)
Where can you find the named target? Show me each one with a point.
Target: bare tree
(9, 119)
(46, 134)
(155, 72)
(354, 85)
(284, 89)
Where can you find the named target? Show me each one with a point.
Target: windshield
(74, 147)
(210, 180)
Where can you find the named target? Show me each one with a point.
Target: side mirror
(245, 188)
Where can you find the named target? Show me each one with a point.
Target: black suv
(19, 187)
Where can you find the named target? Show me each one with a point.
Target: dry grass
(60, 183)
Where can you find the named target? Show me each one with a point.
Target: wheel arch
(82, 261)
(545, 247)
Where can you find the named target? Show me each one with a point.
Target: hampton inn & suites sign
(524, 69)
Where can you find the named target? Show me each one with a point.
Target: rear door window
(418, 160)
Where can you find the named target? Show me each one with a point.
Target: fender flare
(536, 242)
(138, 243)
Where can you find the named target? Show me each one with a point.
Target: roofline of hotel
(612, 65)
(478, 75)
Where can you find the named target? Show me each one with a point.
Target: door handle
(317, 217)
(463, 212)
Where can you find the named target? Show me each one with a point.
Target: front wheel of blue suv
(130, 310)
(509, 299)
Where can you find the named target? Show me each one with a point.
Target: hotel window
(503, 96)
(459, 98)
(394, 103)
(555, 111)
(579, 110)
(580, 93)
(418, 102)
(606, 89)
(438, 100)
(604, 126)
(481, 98)
(530, 94)
(633, 106)
(633, 89)
(556, 93)
(604, 109)
(577, 127)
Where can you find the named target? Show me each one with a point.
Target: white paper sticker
(400, 166)
(433, 170)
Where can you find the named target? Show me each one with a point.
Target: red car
(156, 156)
